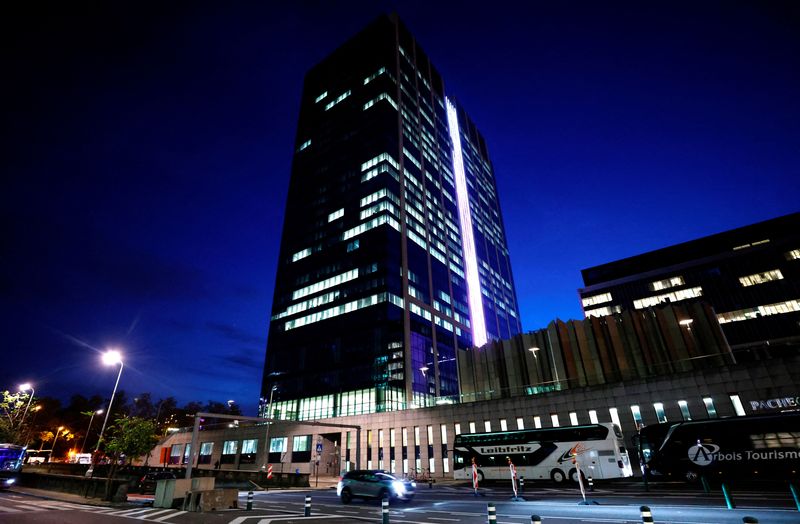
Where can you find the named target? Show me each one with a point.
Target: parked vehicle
(147, 484)
(746, 448)
(374, 484)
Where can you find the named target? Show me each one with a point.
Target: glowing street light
(110, 358)
(25, 387)
(53, 450)
(266, 433)
(535, 352)
(98, 412)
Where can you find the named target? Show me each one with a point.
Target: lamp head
(25, 387)
(112, 357)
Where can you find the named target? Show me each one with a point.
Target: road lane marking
(153, 514)
(165, 517)
(10, 510)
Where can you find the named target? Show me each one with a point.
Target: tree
(129, 437)
(12, 425)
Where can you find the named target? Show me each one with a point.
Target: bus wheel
(557, 476)
(573, 475)
(480, 477)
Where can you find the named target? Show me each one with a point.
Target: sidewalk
(67, 497)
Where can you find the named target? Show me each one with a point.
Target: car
(147, 484)
(374, 484)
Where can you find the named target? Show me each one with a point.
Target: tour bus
(546, 453)
(11, 458)
(751, 447)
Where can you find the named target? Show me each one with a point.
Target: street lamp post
(25, 387)
(86, 436)
(266, 433)
(55, 439)
(110, 358)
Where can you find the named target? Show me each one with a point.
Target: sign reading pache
(775, 403)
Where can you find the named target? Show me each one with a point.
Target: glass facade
(393, 253)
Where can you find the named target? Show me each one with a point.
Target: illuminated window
(250, 446)
(336, 214)
(596, 299)
(503, 425)
(325, 284)
(301, 254)
(383, 157)
(374, 75)
(770, 309)
(366, 226)
(603, 311)
(794, 254)
(487, 426)
(660, 414)
(338, 99)
(668, 283)
(382, 96)
(673, 296)
(710, 409)
(573, 418)
(684, 406)
(320, 97)
(352, 246)
(593, 417)
(472, 427)
(737, 405)
(342, 309)
(304, 145)
(520, 423)
(554, 419)
(537, 422)
(457, 429)
(761, 278)
(637, 415)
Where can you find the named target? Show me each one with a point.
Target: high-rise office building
(393, 252)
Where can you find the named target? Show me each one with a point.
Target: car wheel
(557, 476)
(347, 497)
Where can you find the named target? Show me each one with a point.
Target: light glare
(112, 357)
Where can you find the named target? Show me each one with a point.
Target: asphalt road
(444, 504)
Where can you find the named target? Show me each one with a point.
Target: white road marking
(153, 514)
(165, 517)
(10, 510)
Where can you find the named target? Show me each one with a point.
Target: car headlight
(413, 484)
(10, 481)
(399, 487)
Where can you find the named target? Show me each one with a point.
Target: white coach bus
(546, 453)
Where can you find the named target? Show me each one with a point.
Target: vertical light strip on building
(467, 240)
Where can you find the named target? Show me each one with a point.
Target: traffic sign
(319, 447)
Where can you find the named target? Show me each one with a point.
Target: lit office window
(660, 414)
(668, 283)
(457, 429)
(710, 409)
(737, 405)
(794, 254)
(761, 278)
(596, 299)
(503, 425)
(593, 417)
(472, 427)
(684, 406)
(320, 97)
(304, 145)
(537, 422)
(554, 419)
(602, 311)
(615, 416)
(778, 308)
(520, 423)
(673, 296)
(487, 426)
(301, 254)
(637, 416)
(336, 214)
(337, 100)
(573, 418)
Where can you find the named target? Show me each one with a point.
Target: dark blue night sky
(148, 149)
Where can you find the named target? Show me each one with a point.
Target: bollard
(794, 495)
(728, 499)
(536, 519)
(591, 483)
(307, 512)
(647, 517)
(492, 513)
(750, 520)
(521, 484)
(249, 501)
(385, 510)
(704, 482)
